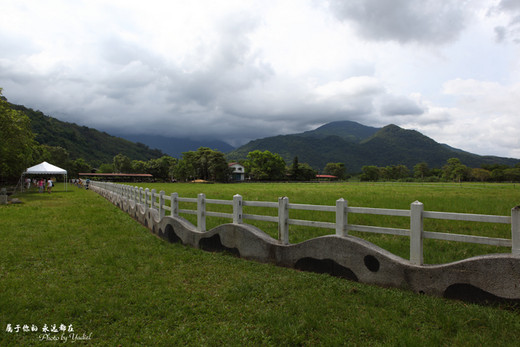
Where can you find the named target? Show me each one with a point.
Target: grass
(75, 259)
(493, 199)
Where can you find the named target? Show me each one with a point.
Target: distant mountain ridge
(98, 147)
(94, 146)
(358, 145)
(348, 142)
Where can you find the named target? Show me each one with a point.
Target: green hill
(357, 145)
(347, 130)
(94, 146)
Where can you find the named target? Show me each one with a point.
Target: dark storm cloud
(427, 22)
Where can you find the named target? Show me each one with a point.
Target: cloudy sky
(241, 70)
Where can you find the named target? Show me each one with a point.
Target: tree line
(453, 171)
(211, 165)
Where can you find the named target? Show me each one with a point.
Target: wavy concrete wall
(490, 278)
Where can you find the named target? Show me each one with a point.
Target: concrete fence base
(490, 278)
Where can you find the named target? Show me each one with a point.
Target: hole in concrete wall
(213, 244)
(328, 266)
(171, 236)
(371, 263)
(473, 294)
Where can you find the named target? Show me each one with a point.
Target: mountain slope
(390, 145)
(94, 146)
(347, 130)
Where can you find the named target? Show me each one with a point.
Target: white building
(238, 173)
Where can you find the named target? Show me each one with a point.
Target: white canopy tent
(47, 169)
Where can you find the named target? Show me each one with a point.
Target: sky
(246, 69)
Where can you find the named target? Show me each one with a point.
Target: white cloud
(484, 118)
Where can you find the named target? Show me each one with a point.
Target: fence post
(515, 230)
(161, 204)
(283, 220)
(153, 197)
(416, 232)
(146, 191)
(341, 217)
(201, 212)
(175, 205)
(237, 209)
(140, 194)
(136, 192)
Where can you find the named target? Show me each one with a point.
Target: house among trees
(237, 173)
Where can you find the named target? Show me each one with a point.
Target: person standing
(40, 185)
(49, 186)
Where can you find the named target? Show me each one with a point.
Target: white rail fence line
(416, 214)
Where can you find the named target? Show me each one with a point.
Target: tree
(105, 168)
(265, 166)
(122, 164)
(77, 166)
(512, 175)
(421, 170)
(138, 166)
(394, 172)
(301, 172)
(294, 170)
(454, 170)
(480, 174)
(204, 163)
(306, 172)
(370, 173)
(185, 169)
(161, 168)
(56, 155)
(336, 169)
(16, 141)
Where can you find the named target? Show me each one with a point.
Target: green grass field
(493, 199)
(75, 259)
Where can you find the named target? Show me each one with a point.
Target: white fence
(416, 213)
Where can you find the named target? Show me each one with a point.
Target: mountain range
(348, 142)
(357, 145)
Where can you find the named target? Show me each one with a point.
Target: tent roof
(45, 168)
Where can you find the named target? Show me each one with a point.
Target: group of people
(78, 182)
(41, 183)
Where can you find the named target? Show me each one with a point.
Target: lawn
(492, 199)
(73, 259)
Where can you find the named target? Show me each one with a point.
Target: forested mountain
(357, 145)
(94, 146)
(347, 130)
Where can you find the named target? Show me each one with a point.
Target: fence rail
(416, 233)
